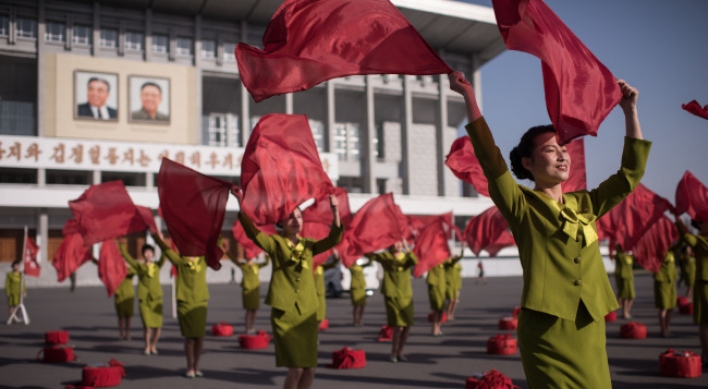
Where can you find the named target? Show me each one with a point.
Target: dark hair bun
(516, 167)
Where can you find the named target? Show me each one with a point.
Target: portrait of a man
(96, 96)
(149, 99)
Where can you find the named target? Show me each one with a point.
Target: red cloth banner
(655, 243)
(111, 266)
(71, 252)
(31, 266)
(317, 221)
(488, 231)
(580, 91)
(691, 196)
(696, 109)
(432, 246)
(629, 220)
(577, 179)
(281, 169)
(374, 227)
(106, 211)
(193, 206)
(465, 165)
(308, 42)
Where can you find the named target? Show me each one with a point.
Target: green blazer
(700, 248)
(292, 281)
(436, 276)
(397, 275)
(357, 272)
(149, 287)
(12, 284)
(191, 275)
(623, 265)
(558, 245)
(250, 271)
(667, 271)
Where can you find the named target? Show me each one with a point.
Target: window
(82, 35)
(160, 43)
(381, 185)
(220, 125)
(128, 178)
(17, 117)
(109, 38)
(18, 176)
(208, 50)
(26, 28)
(55, 32)
(134, 41)
(346, 138)
(68, 177)
(4, 25)
(185, 47)
(230, 52)
(379, 144)
(318, 133)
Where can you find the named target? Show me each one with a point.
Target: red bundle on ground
(53, 338)
(501, 345)
(633, 330)
(611, 317)
(683, 364)
(347, 358)
(222, 329)
(56, 354)
(491, 380)
(385, 334)
(508, 323)
(103, 376)
(254, 342)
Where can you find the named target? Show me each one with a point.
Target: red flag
(374, 227)
(580, 91)
(317, 220)
(488, 231)
(193, 206)
(147, 217)
(653, 245)
(111, 266)
(630, 219)
(432, 246)
(577, 178)
(308, 42)
(465, 165)
(281, 169)
(418, 223)
(31, 265)
(106, 211)
(696, 109)
(71, 252)
(250, 250)
(691, 196)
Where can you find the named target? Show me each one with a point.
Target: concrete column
(440, 135)
(289, 104)
(41, 29)
(41, 177)
(405, 134)
(96, 177)
(331, 119)
(42, 235)
(96, 46)
(245, 98)
(198, 87)
(148, 35)
(149, 180)
(368, 154)
(477, 81)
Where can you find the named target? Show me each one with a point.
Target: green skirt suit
(437, 286)
(689, 269)
(124, 298)
(624, 276)
(700, 287)
(292, 293)
(396, 288)
(12, 288)
(149, 289)
(357, 289)
(453, 277)
(665, 283)
(566, 292)
(251, 283)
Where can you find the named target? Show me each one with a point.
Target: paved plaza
(433, 362)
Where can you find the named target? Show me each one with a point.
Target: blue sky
(658, 46)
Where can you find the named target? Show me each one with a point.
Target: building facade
(166, 79)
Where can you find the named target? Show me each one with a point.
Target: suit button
(578, 282)
(297, 290)
(576, 260)
(297, 279)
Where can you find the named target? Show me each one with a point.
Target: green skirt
(399, 313)
(322, 309)
(664, 295)
(358, 296)
(125, 307)
(13, 300)
(558, 353)
(689, 274)
(436, 297)
(151, 312)
(625, 288)
(251, 299)
(295, 338)
(700, 302)
(452, 292)
(192, 318)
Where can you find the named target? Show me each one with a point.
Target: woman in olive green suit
(437, 286)
(357, 291)
(149, 293)
(566, 292)
(13, 290)
(398, 293)
(699, 243)
(665, 292)
(453, 279)
(124, 299)
(251, 285)
(688, 262)
(292, 293)
(624, 280)
(192, 299)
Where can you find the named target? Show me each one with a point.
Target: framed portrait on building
(149, 99)
(95, 96)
